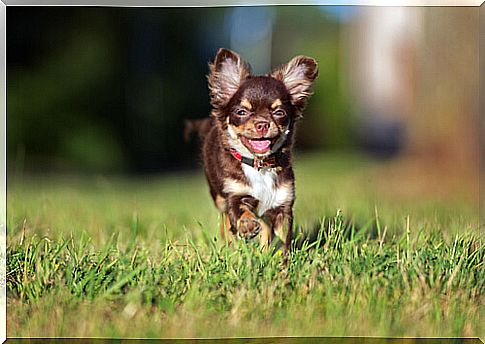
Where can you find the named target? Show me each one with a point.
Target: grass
(111, 257)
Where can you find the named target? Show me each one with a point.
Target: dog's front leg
(241, 215)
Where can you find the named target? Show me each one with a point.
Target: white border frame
(3, 172)
(228, 3)
(169, 3)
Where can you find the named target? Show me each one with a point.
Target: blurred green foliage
(107, 89)
(314, 32)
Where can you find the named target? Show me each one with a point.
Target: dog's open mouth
(257, 145)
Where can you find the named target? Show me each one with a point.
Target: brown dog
(247, 144)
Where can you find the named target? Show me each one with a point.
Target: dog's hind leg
(279, 227)
(226, 233)
(289, 232)
(265, 235)
(283, 227)
(221, 204)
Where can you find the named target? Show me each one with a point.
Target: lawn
(381, 250)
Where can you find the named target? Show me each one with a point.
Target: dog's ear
(298, 76)
(226, 74)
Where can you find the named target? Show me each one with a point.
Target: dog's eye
(242, 113)
(279, 113)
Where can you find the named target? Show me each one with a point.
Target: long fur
(252, 200)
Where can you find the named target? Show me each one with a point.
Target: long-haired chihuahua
(247, 144)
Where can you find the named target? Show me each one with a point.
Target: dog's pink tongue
(260, 145)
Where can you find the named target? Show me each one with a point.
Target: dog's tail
(199, 126)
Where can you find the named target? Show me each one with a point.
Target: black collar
(270, 161)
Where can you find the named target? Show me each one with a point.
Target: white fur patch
(263, 188)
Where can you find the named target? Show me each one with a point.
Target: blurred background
(105, 90)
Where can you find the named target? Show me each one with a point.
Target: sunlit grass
(140, 258)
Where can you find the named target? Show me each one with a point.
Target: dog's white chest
(263, 187)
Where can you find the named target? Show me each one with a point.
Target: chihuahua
(247, 142)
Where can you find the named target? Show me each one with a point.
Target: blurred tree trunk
(419, 68)
(444, 127)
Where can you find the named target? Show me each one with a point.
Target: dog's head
(258, 112)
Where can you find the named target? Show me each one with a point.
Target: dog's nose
(262, 126)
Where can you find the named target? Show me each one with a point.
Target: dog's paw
(248, 227)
